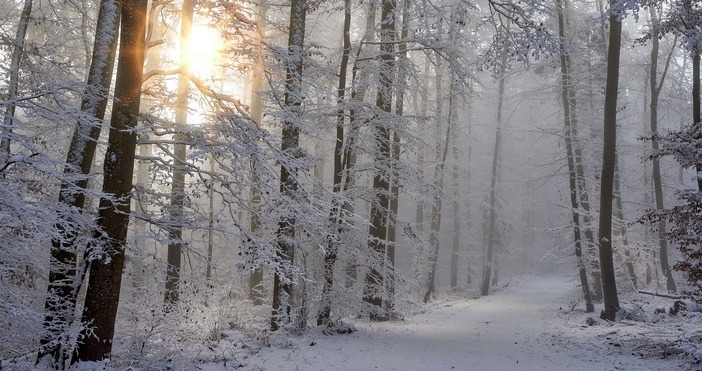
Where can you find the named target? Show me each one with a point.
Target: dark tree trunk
(336, 214)
(63, 280)
(107, 260)
(378, 215)
(656, 87)
(609, 285)
(13, 83)
(282, 281)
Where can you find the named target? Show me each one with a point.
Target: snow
(527, 325)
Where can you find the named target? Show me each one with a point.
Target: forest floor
(528, 323)
(532, 323)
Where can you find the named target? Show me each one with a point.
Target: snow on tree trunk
(107, 254)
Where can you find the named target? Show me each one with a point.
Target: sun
(204, 52)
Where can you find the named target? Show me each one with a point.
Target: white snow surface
(527, 325)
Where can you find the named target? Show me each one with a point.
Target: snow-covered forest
(209, 184)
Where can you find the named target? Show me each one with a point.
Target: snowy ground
(527, 325)
(532, 323)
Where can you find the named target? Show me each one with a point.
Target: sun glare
(205, 51)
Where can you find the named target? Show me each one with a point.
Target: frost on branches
(685, 219)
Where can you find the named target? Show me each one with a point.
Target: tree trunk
(336, 213)
(619, 219)
(655, 87)
(455, 248)
(436, 214)
(378, 214)
(256, 278)
(102, 295)
(492, 218)
(13, 83)
(282, 280)
(569, 116)
(609, 285)
(63, 287)
(175, 229)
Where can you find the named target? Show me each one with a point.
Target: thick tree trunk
(13, 83)
(377, 231)
(102, 295)
(282, 280)
(569, 116)
(63, 281)
(609, 285)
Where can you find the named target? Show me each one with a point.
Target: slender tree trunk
(436, 215)
(456, 243)
(609, 285)
(656, 87)
(102, 295)
(492, 218)
(256, 278)
(336, 214)
(63, 280)
(13, 83)
(378, 215)
(569, 115)
(696, 115)
(619, 219)
(282, 280)
(175, 229)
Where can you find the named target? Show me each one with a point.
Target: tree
(282, 281)
(655, 87)
(63, 282)
(569, 116)
(609, 285)
(175, 245)
(16, 59)
(107, 254)
(379, 208)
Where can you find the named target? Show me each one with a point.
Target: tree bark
(655, 87)
(436, 215)
(569, 116)
(256, 278)
(378, 214)
(609, 286)
(336, 213)
(13, 83)
(175, 229)
(64, 283)
(492, 218)
(107, 261)
(282, 280)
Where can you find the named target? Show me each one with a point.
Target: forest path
(524, 326)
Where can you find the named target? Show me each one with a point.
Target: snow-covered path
(522, 327)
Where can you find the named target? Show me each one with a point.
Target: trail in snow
(522, 327)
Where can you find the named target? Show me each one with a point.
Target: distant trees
(233, 179)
